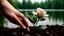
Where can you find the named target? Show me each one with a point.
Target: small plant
(37, 16)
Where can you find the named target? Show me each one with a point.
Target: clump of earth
(49, 31)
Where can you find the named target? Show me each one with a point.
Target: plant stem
(37, 21)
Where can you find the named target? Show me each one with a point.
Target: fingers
(19, 22)
(24, 23)
(24, 20)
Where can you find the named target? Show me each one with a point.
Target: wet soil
(50, 31)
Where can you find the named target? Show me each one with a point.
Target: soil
(50, 31)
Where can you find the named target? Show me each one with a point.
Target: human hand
(17, 18)
(14, 15)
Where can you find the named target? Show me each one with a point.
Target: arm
(13, 15)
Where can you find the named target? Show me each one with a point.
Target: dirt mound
(50, 31)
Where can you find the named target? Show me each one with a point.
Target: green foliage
(31, 17)
(41, 27)
(56, 15)
(42, 19)
(54, 4)
(14, 3)
(62, 24)
(2, 19)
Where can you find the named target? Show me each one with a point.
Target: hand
(13, 15)
(17, 18)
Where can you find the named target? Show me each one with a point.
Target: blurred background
(54, 8)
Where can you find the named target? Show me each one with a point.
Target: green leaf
(62, 24)
(42, 19)
(35, 18)
(30, 17)
(41, 27)
(31, 20)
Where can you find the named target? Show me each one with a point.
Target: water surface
(54, 18)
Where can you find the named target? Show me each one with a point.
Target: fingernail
(24, 27)
(28, 29)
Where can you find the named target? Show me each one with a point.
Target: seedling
(37, 16)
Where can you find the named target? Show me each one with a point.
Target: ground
(50, 31)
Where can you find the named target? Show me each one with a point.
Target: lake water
(55, 17)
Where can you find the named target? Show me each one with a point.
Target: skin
(13, 15)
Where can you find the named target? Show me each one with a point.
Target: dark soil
(50, 31)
